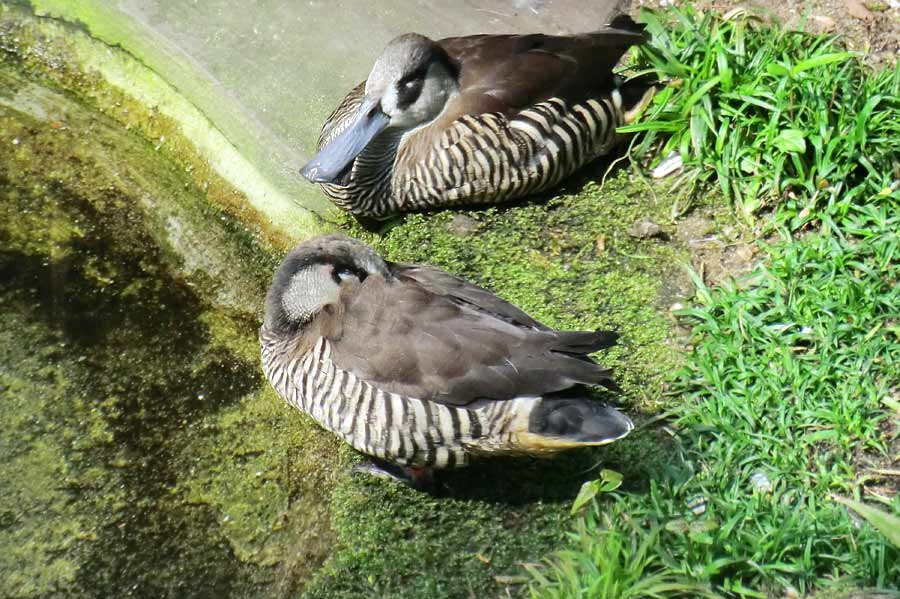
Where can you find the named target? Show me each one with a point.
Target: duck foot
(420, 479)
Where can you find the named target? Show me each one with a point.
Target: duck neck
(373, 168)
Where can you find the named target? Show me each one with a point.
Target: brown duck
(421, 369)
(477, 119)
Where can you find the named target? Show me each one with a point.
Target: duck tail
(624, 22)
(635, 95)
(584, 342)
(561, 423)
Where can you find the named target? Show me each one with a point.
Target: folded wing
(442, 339)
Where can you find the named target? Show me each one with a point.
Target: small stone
(823, 24)
(463, 226)
(645, 228)
(697, 504)
(670, 164)
(858, 10)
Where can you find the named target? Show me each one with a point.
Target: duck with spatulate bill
(421, 369)
(477, 119)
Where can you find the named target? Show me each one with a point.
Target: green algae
(143, 453)
(115, 83)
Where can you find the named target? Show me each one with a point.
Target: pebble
(761, 482)
(463, 226)
(644, 228)
(670, 164)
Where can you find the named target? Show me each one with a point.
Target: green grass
(770, 115)
(786, 396)
(613, 563)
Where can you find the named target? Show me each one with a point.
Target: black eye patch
(410, 86)
(411, 77)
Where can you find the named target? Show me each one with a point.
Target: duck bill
(335, 159)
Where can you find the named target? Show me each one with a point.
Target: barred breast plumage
(477, 119)
(419, 368)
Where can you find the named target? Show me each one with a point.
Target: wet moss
(143, 454)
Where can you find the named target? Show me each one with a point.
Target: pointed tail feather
(626, 23)
(636, 94)
(621, 32)
(584, 342)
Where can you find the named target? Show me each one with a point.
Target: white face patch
(438, 87)
(389, 102)
(308, 291)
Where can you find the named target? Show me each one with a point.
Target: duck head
(313, 276)
(409, 85)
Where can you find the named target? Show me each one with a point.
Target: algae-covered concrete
(140, 98)
(143, 454)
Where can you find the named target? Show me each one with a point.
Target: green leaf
(791, 141)
(610, 480)
(820, 61)
(749, 166)
(888, 524)
(700, 537)
(587, 492)
(678, 526)
(701, 91)
(777, 69)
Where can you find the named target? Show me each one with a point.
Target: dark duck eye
(343, 273)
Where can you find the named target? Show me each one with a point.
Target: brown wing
(505, 73)
(403, 338)
(462, 292)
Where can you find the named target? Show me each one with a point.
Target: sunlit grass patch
(613, 562)
(784, 389)
(768, 114)
(788, 388)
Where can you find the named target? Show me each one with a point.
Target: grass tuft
(612, 563)
(768, 114)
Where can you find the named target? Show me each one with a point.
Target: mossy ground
(568, 260)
